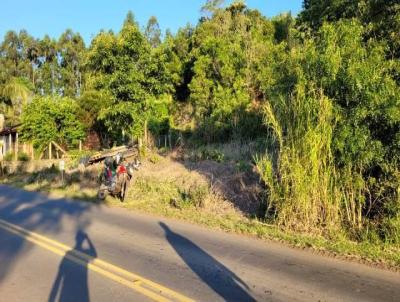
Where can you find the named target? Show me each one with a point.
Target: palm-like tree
(14, 95)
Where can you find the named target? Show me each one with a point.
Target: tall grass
(300, 173)
(334, 116)
(306, 190)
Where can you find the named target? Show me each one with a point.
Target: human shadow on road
(71, 283)
(34, 212)
(218, 277)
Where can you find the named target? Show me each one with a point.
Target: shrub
(243, 166)
(23, 156)
(9, 156)
(76, 157)
(391, 230)
(154, 158)
(207, 153)
(48, 119)
(194, 195)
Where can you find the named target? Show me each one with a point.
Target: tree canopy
(49, 119)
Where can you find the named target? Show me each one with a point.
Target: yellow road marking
(153, 290)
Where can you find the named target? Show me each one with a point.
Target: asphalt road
(61, 250)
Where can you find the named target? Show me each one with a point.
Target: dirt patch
(240, 190)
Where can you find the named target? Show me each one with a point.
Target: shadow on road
(218, 277)
(72, 278)
(34, 212)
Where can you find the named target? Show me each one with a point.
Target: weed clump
(206, 153)
(194, 195)
(9, 156)
(22, 156)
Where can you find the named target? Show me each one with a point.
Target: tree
(227, 52)
(124, 66)
(14, 51)
(10, 54)
(90, 104)
(179, 61)
(384, 17)
(33, 53)
(48, 119)
(14, 95)
(48, 77)
(211, 7)
(153, 32)
(70, 50)
(380, 16)
(130, 20)
(283, 24)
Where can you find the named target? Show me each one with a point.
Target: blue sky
(88, 17)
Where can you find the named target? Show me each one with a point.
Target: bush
(159, 126)
(48, 119)
(9, 156)
(23, 156)
(77, 157)
(243, 166)
(206, 153)
(194, 195)
(391, 230)
(154, 158)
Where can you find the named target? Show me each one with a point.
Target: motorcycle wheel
(101, 194)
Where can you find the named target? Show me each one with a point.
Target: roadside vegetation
(304, 111)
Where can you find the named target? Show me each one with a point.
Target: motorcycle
(116, 177)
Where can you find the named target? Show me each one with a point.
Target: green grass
(165, 198)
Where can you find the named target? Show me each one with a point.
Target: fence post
(10, 143)
(16, 146)
(32, 151)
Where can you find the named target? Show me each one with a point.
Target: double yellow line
(140, 284)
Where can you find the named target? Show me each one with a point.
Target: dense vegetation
(322, 89)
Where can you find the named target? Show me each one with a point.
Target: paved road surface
(61, 250)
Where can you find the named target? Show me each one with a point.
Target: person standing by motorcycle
(117, 176)
(121, 171)
(110, 169)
